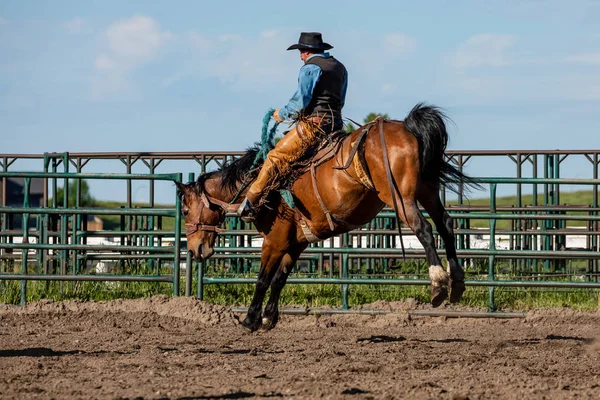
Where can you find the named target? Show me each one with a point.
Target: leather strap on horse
(316, 189)
(208, 200)
(193, 228)
(393, 191)
(357, 144)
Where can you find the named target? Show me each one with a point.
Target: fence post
(201, 280)
(25, 227)
(188, 259)
(177, 244)
(344, 266)
(492, 258)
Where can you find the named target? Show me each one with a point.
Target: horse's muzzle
(203, 252)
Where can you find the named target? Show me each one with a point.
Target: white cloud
(74, 26)
(103, 63)
(235, 38)
(399, 44)
(269, 34)
(388, 88)
(200, 42)
(128, 44)
(240, 62)
(584, 58)
(136, 40)
(260, 62)
(484, 50)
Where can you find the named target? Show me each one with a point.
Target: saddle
(327, 149)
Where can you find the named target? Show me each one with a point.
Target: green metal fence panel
(62, 242)
(538, 233)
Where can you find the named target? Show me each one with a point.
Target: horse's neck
(228, 195)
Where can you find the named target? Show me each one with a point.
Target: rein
(208, 201)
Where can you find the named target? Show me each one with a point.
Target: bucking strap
(362, 170)
(357, 159)
(319, 198)
(392, 184)
(355, 147)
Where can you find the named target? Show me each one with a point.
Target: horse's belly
(348, 215)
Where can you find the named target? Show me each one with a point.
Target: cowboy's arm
(307, 80)
(344, 88)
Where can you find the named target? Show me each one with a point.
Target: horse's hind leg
(412, 217)
(424, 232)
(269, 263)
(271, 313)
(428, 196)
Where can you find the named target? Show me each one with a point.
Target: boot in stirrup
(246, 211)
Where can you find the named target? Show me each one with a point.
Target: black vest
(327, 94)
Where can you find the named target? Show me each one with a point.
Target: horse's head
(202, 220)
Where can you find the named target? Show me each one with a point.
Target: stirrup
(246, 211)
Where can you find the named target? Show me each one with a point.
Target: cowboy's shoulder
(310, 68)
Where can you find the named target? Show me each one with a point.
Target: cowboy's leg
(286, 151)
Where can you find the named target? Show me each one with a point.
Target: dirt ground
(182, 348)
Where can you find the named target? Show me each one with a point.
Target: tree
(349, 128)
(86, 198)
(371, 116)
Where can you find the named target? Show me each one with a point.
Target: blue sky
(193, 76)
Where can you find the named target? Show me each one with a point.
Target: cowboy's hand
(276, 116)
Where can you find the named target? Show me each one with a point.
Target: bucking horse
(385, 162)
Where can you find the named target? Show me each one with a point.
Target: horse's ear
(181, 187)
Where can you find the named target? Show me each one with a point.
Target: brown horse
(412, 150)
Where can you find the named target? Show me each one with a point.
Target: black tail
(427, 124)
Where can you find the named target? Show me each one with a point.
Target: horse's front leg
(271, 314)
(269, 263)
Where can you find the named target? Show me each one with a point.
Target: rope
(267, 144)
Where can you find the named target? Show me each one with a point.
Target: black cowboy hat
(310, 41)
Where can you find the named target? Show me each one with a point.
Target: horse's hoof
(457, 288)
(269, 323)
(438, 295)
(252, 325)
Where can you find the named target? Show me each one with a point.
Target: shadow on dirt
(46, 352)
(381, 339)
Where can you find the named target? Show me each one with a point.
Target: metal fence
(530, 241)
(56, 246)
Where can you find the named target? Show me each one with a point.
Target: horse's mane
(232, 173)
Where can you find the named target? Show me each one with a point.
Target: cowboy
(316, 106)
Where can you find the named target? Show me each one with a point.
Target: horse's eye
(185, 212)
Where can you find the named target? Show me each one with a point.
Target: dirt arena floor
(182, 348)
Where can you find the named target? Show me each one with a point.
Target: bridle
(225, 206)
(191, 228)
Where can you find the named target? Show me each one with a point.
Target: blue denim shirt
(307, 80)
